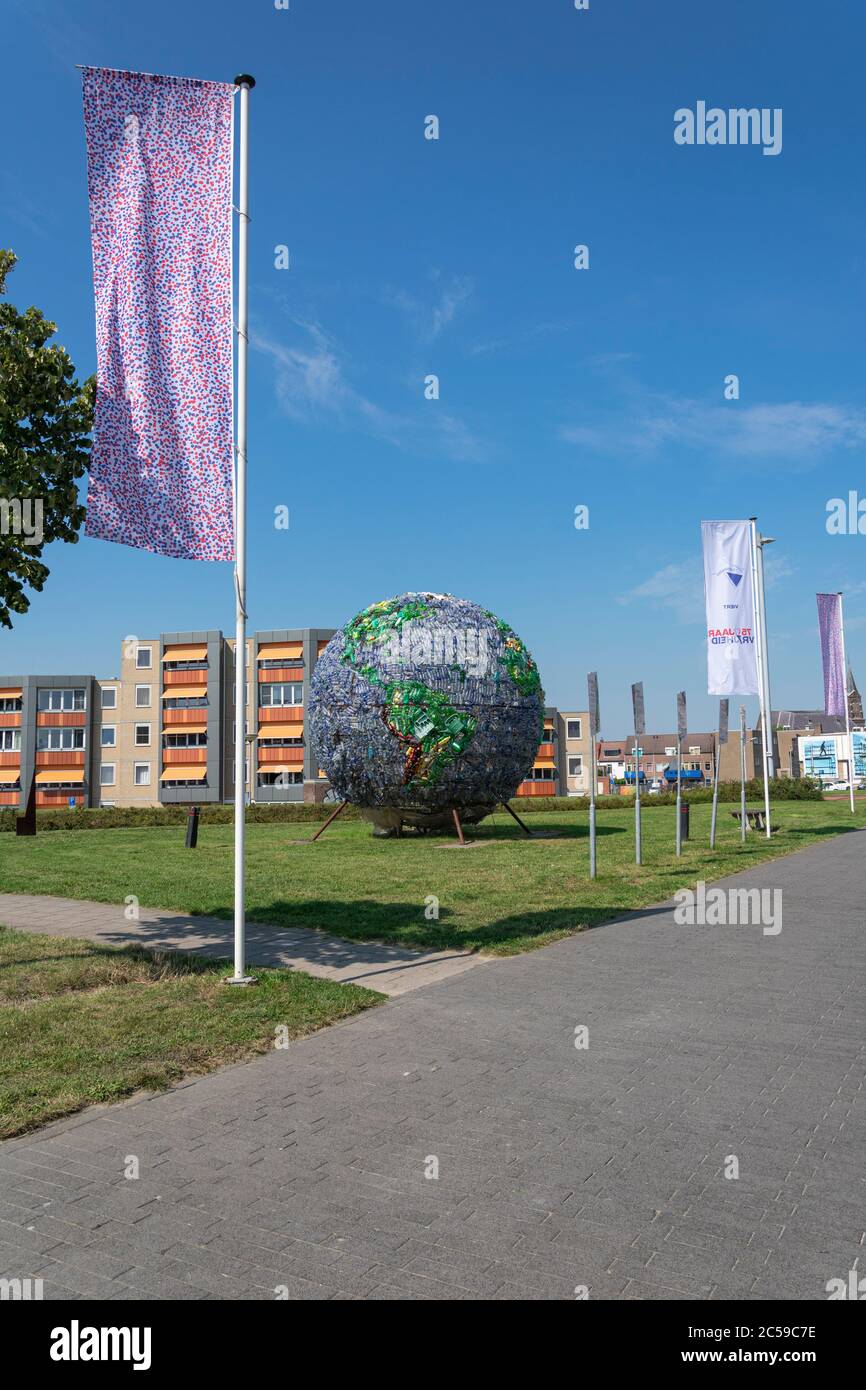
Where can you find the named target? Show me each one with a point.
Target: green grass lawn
(503, 895)
(81, 1022)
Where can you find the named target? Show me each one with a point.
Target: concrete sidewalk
(391, 970)
(457, 1144)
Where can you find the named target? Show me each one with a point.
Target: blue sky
(558, 387)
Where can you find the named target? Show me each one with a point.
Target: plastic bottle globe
(424, 704)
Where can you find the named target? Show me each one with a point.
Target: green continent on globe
(376, 623)
(516, 659)
(436, 732)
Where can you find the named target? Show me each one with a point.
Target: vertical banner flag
(159, 161)
(830, 630)
(723, 721)
(730, 603)
(637, 706)
(681, 716)
(594, 719)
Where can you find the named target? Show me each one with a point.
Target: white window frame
(143, 724)
(575, 758)
(568, 726)
(146, 704)
(14, 740)
(103, 768)
(108, 728)
(135, 768)
(108, 690)
(143, 665)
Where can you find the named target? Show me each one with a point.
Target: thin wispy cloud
(522, 338)
(430, 317)
(798, 432)
(312, 384)
(676, 587)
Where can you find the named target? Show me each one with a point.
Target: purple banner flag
(159, 158)
(830, 629)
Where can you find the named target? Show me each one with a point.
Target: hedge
(115, 817)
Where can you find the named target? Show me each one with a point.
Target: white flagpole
(761, 652)
(245, 83)
(743, 818)
(848, 734)
(592, 689)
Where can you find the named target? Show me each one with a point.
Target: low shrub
(117, 817)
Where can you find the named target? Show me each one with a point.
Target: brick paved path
(557, 1167)
(389, 969)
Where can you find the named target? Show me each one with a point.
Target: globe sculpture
(422, 706)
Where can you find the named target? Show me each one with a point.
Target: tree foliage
(45, 423)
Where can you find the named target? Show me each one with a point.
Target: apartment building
(47, 738)
(562, 763)
(162, 731)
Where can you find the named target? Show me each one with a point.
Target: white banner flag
(731, 654)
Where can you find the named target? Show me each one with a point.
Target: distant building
(562, 762)
(855, 703)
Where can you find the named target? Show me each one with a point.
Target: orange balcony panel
(10, 720)
(57, 798)
(281, 714)
(280, 674)
(536, 789)
(545, 750)
(171, 678)
(9, 798)
(10, 759)
(73, 757)
(184, 756)
(281, 755)
(66, 719)
(171, 718)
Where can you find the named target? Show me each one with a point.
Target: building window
(575, 767)
(287, 694)
(59, 740)
(60, 700)
(200, 782)
(179, 740)
(142, 735)
(108, 737)
(694, 750)
(11, 704)
(10, 740)
(670, 752)
(542, 774)
(141, 774)
(280, 779)
(106, 774)
(142, 697)
(185, 702)
(572, 727)
(109, 697)
(143, 658)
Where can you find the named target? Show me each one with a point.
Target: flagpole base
(240, 980)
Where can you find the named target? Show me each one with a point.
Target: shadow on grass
(336, 932)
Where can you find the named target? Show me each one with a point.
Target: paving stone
(306, 1168)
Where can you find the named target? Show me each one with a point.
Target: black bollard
(192, 828)
(685, 808)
